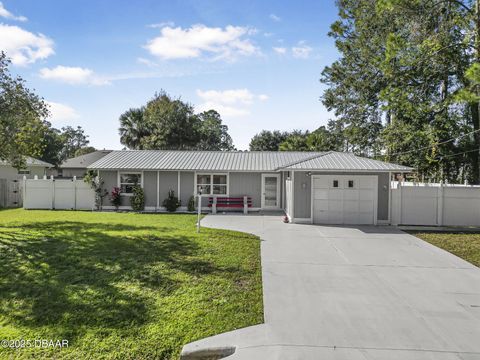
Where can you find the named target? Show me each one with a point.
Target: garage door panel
(319, 194)
(321, 183)
(352, 202)
(351, 194)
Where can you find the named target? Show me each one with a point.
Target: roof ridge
(303, 160)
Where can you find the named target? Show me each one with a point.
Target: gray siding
(186, 186)
(150, 188)
(168, 181)
(109, 182)
(302, 195)
(10, 173)
(247, 183)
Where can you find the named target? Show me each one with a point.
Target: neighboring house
(33, 167)
(312, 187)
(11, 179)
(77, 166)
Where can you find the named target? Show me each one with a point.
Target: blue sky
(256, 62)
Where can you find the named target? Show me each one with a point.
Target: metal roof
(344, 161)
(30, 161)
(238, 161)
(82, 161)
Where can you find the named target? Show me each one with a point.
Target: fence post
(400, 200)
(440, 204)
(214, 205)
(245, 204)
(74, 192)
(24, 190)
(53, 191)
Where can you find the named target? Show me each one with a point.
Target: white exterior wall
(435, 204)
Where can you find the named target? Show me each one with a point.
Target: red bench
(239, 202)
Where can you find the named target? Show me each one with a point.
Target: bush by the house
(191, 204)
(171, 203)
(115, 197)
(96, 183)
(138, 199)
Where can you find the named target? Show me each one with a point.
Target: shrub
(191, 203)
(171, 203)
(138, 198)
(115, 197)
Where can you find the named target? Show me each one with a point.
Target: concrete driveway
(366, 293)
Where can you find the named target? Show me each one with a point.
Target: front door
(270, 191)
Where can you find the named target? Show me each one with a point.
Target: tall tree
(393, 88)
(133, 128)
(213, 134)
(22, 115)
(267, 140)
(171, 124)
(73, 139)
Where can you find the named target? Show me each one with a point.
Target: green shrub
(171, 203)
(191, 203)
(138, 198)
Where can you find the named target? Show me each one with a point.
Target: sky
(258, 63)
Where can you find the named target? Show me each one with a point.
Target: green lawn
(464, 245)
(122, 285)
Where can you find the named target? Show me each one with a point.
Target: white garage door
(344, 199)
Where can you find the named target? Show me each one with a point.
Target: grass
(464, 245)
(122, 285)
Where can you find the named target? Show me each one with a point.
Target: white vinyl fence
(289, 197)
(435, 204)
(57, 194)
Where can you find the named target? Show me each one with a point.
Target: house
(312, 187)
(11, 179)
(77, 166)
(33, 167)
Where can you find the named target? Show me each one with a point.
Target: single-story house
(77, 166)
(312, 187)
(33, 167)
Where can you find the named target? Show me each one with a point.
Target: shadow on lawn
(71, 275)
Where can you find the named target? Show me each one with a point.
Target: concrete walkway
(356, 293)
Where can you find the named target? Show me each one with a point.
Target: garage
(344, 199)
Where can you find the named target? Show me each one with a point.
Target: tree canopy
(403, 89)
(22, 115)
(171, 124)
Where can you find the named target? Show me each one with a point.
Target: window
(23, 172)
(128, 181)
(212, 184)
(350, 183)
(335, 183)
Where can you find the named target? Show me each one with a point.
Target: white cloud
(280, 50)
(8, 15)
(275, 18)
(62, 112)
(24, 47)
(73, 75)
(229, 103)
(302, 50)
(227, 43)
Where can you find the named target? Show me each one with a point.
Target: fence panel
(435, 204)
(57, 194)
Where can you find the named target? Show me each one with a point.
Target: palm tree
(132, 128)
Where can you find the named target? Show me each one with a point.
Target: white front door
(270, 191)
(344, 199)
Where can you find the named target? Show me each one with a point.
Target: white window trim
(119, 173)
(211, 183)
